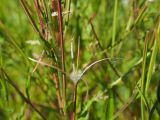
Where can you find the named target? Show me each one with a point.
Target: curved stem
(92, 64)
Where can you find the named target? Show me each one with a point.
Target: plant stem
(110, 105)
(114, 25)
(74, 101)
(33, 23)
(56, 82)
(100, 46)
(40, 17)
(69, 7)
(62, 50)
(151, 66)
(143, 75)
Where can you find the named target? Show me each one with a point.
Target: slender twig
(30, 18)
(105, 54)
(62, 50)
(92, 64)
(46, 64)
(100, 46)
(38, 62)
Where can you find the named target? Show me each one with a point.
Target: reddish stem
(56, 82)
(73, 115)
(40, 17)
(62, 50)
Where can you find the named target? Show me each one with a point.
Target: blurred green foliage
(103, 100)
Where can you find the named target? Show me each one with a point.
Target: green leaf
(86, 117)
(28, 86)
(87, 106)
(110, 106)
(153, 59)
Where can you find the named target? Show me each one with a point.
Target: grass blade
(12, 40)
(114, 25)
(143, 76)
(110, 106)
(152, 61)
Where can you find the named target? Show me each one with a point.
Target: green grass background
(121, 29)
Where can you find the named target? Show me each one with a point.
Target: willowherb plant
(87, 84)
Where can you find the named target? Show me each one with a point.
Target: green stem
(143, 76)
(114, 25)
(153, 58)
